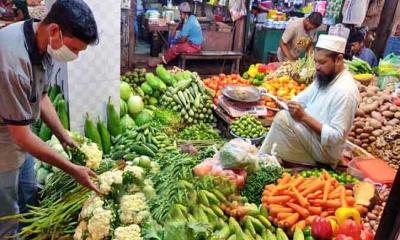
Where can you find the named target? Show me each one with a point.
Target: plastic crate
(392, 46)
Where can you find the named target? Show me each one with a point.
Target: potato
(351, 139)
(372, 139)
(397, 115)
(352, 134)
(376, 115)
(359, 124)
(388, 114)
(363, 94)
(377, 133)
(367, 108)
(368, 129)
(374, 88)
(360, 113)
(359, 130)
(374, 123)
(393, 122)
(387, 128)
(370, 100)
(364, 135)
(370, 93)
(364, 145)
(357, 142)
(383, 108)
(393, 108)
(365, 140)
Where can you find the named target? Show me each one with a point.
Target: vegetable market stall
(166, 172)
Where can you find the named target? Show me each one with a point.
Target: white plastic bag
(354, 11)
(239, 154)
(339, 30)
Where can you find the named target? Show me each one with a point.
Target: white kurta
(334, 106)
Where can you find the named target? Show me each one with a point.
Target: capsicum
(344, 213)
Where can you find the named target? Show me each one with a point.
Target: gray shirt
(23, 80)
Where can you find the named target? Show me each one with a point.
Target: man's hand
(68, 142)
(82, 175)
(296, 110)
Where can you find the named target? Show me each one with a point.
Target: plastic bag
(268, 160)
(239, 154)
(213, 167)
(354, 11)
(237, 8)
(339, 30)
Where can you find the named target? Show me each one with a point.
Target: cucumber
(118, 155)
(91, 131)
(142, 150)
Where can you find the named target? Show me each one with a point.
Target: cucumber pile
(144, 140)
(248, 127)
(135, 78)
(191, 99)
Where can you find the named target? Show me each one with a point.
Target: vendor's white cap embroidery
(184, 7)
(332, 43)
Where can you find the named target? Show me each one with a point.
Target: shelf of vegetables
(165, 172)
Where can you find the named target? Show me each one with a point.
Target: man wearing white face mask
(27, 50)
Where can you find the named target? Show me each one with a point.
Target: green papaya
(113, 120)
(91, 131)
(105, 137)
(62, 113)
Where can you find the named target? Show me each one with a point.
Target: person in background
(27, 52)
(17, 10)
(314, 128)
(298, 37)
(360, 51)
(188, 40)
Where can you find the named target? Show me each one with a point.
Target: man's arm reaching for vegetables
(286, 51)
(49, 115)
(24, 138)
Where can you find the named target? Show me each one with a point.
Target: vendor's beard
(324, 79)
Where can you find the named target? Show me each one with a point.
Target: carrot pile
(297, 201)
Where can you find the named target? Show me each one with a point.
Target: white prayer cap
(332, 43)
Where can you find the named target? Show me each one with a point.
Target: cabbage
(127, 122)
(125, 90)
(135, 104)
(143, 118)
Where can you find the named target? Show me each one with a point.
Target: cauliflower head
(80, 230)
(107, 179)
(93, 155)
(137, 172)
(90, 205)
(133, 208)
(99, 224)
(131, 232)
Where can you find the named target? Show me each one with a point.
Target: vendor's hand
(296, 110)
(67, 142)
(82, 175)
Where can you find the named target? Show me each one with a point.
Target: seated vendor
(188, 40)
(14, 10)
(315, 127)
(298, 37)
(359, 50)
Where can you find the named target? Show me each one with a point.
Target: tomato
(367, 234)
(222, 76)
(350, 229)
(343, 237)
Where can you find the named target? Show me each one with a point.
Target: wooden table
(157, 31)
